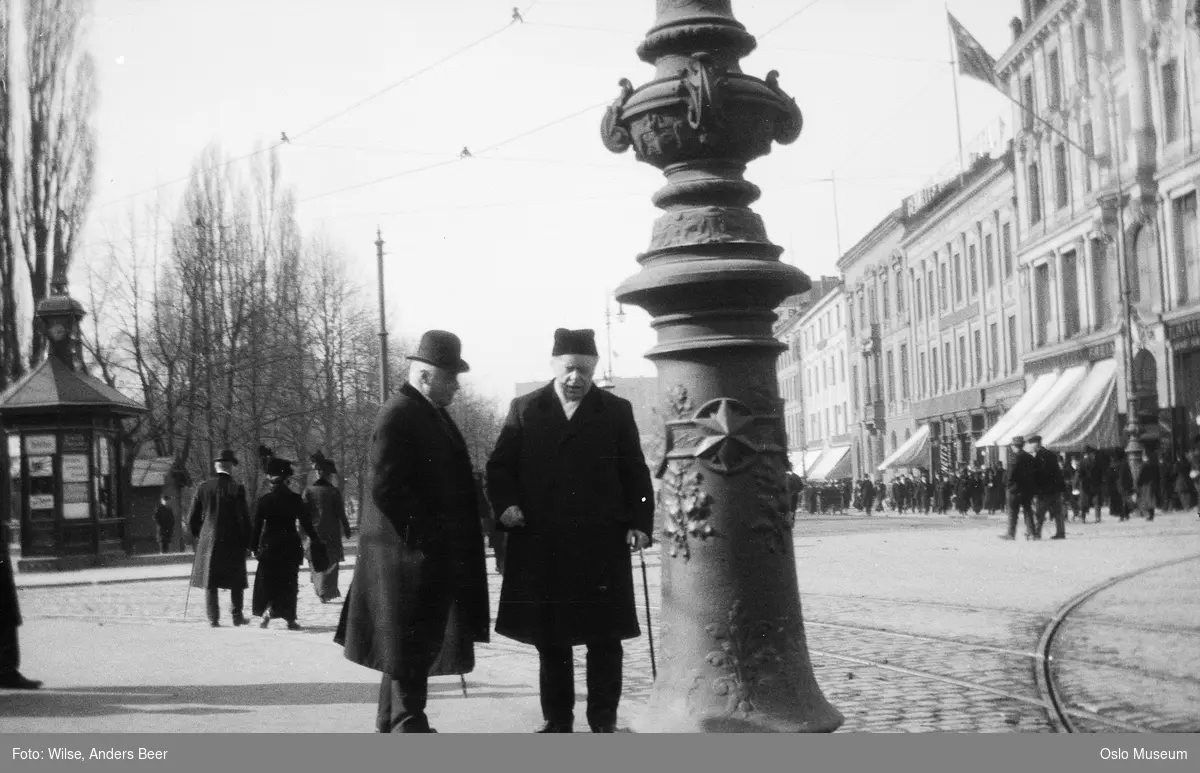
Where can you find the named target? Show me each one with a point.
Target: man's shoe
(293, 625)
(266, 621)
(1059, 536)
(604, 728)
(215, 623)
(240, 619)
(555, 727)
(13, 680)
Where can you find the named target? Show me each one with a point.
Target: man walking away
(220, 524)
(1020, 484)
(164, 516)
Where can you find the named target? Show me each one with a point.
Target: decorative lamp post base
(733, 653)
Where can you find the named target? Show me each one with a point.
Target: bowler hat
(442, 349)
(574, 342)
(227, 456)
(1017, 441)
(277, 467)
(1035, 439)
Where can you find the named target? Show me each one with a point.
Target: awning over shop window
(999, 434)
(1046, 410)
(829, 462)
(811, 457)
(797, 460)
(913, 452)
(1089, 418)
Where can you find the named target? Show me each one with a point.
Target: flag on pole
(973, 60)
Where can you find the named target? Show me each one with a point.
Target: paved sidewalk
(914, 625)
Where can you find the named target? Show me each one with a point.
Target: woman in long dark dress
(278, 547)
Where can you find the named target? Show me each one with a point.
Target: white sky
(533, 235)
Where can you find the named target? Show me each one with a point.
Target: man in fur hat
(220, 524)
(574, 495)
(418, 599)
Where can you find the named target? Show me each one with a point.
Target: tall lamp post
(734, 657)
(383, 345)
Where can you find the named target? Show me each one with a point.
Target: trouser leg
(1030, 524)
(556, 683)
(214, 605)
(1060, 516)
(604, 660)
(10, 649)
(1014, 509)
(235, 601)
(402, 702)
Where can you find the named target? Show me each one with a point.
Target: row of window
(932, 293)
(830, 373)
(828, 424)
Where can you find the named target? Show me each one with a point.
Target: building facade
(1105, 170)
(869, 268)
(960, 248)
(824, 387)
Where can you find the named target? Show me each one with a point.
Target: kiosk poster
(41, 466)
(41, 501)
(14, 446)
(75, 468)
(74, 443)
(40, 445)
(103, 447)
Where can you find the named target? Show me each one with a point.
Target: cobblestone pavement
(1113, 651)
(948, 647)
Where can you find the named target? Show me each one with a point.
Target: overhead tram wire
(324, 121)
(456, 159)
(788, 18)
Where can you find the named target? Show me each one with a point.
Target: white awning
(913, 452)
(999, 435)
(811, 457)
(797, 460)
(1090, 418)
(828, 461)
(1046, 409)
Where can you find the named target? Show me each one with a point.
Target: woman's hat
(322, 464)
(442, 349)
(277, 467)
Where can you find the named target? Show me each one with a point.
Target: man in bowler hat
(418, 599)
(574, 495)
(1022, 480)
(220, 524)
(1050, 487)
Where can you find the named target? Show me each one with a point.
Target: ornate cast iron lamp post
(733, 650)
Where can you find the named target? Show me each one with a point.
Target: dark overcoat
(220, 523)
(276, 542)
(10, 609)
(581, 484)
(420, 578)
(327, 511)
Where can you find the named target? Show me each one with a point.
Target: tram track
(1061, 716)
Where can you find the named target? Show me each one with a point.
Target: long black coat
(10, 609)
(280, 552)
(581, 484)
(220, 523)
(328, 513)
(420, 579)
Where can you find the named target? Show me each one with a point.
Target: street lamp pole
(383, 345)
(733, 650)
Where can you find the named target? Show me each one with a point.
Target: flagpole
(962, 166)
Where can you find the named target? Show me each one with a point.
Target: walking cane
(649, 626)
(463, 679)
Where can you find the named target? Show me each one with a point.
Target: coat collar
(548, 402)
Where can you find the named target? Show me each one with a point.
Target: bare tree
(10, 339)
(56, 187)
